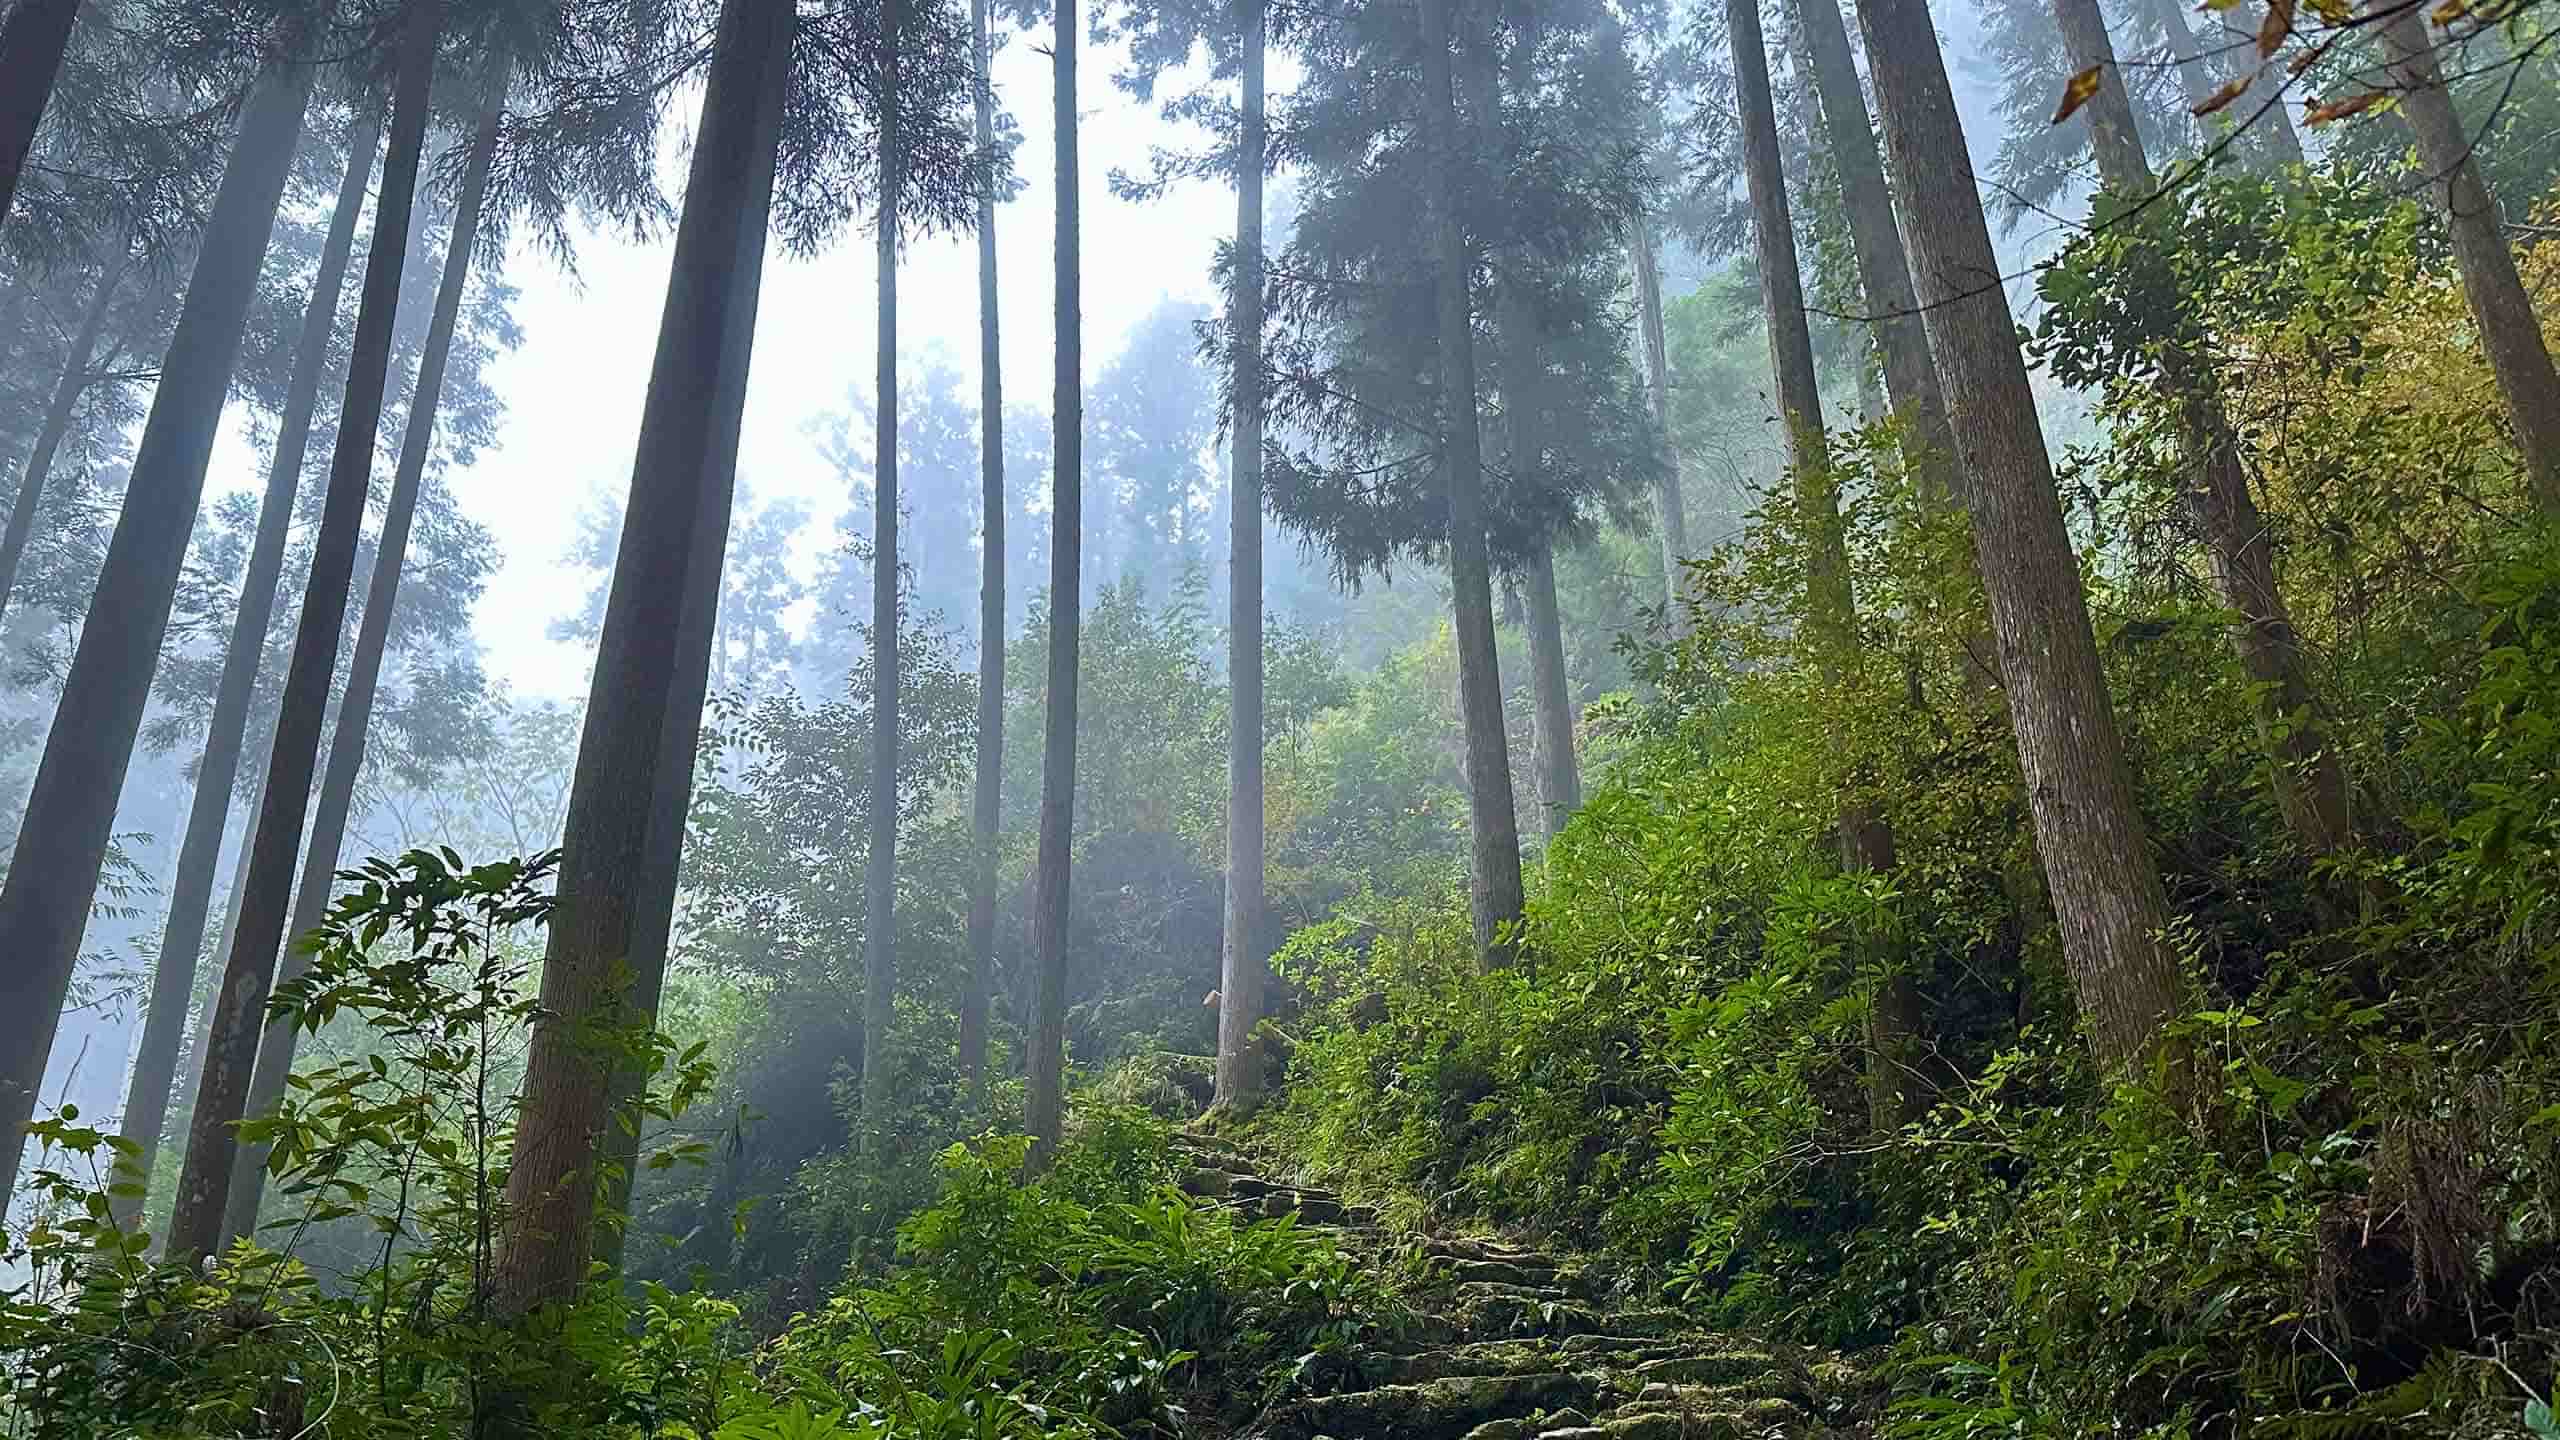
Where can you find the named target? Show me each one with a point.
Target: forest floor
(1512, 1341)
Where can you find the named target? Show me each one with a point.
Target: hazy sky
(574, 388)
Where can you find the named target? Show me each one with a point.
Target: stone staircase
(1521, 1344)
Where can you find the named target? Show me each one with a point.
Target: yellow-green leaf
(2077, 93)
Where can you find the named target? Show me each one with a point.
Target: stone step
(1482, 1357)
(1447, 1409)
(1501, 1272)
(1725, 1364)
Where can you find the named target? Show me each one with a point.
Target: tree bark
(2089, 832)
(1884, 270)
(56, 427)
(880, 865)
(2310, 783)
(2510, 335)
(44, 904)
(1242, 966)
(686, 463)
(364, 671)
(1551, 696)
(31, 50)
(1045, 1105)
(1670, 508)
(155, 1065)
(1493, 825)
(987, 799)
(204, 1180)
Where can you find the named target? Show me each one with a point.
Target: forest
(1503, 719)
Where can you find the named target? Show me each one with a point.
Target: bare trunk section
(1670, 508)
(2089, 833)
(2509, 333)
(1551, 696)
(880, 865)
(2310, 784)
(1047, 1064)
(56, 427)
(204, 1180)
(1519, 359)
(1493, 825)
(656, 637)
(987, 799)
(217, 772)
(44, 904)
(31, 50)
(1884, 270)
(364, 671)
(1241, 977)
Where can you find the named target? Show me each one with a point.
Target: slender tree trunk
(1242, 966)
(2271, 138)
(615, 839)
(880, 866)
(987, 807)
(2267, 133)
(146, 1105)
(1865, 837)
(364, 671)
(67, 390)
(679, 747)
(1884, 270)
(1046, 1102)
(44, 904)
(1551, 695)
(31, 48)
(1670, 509)
(204, 1181)
(1519, 360)
(2510, 335)
(2089, 832)
(1493, 825)
(2310, 784)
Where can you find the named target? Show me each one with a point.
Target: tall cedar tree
(2310, 783)
(146, 1106)
(1670, 508)
(1884, 270)
(2510, 336)
(45, 902)
(987, 783)
(2089, 833)
(680, 488)
(373, 637)
(1163, 34)
(56, 427)
(1866, 838)
(1521, 381)
(1494, 891)
(32, 43)
(1045, 1106)
(222, 1088)
(880, 863)
(1242, 968)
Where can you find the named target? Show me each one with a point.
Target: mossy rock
(1446, 1409)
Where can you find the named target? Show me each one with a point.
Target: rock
(1500, 1430)
(1485, 1357)
(1437, 1409)
(1503, 1272)
(1209, 1184)
(1719, 1367)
